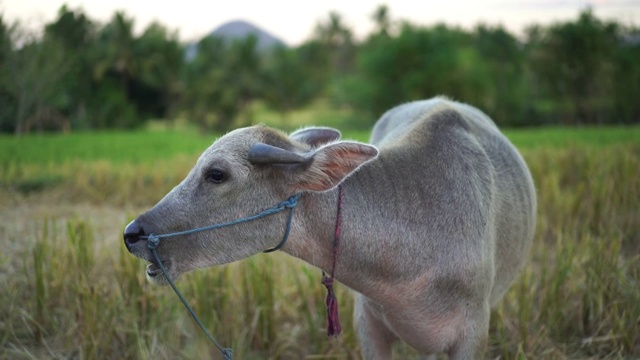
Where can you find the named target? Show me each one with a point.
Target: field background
(71, 290)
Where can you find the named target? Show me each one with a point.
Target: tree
(28, 73)
(316, 61)
(503, 73)
(74, 33)
(8, 107)
(627, 78)
(288, 82)
(337, 39)
(245, 69)
(221, 82)
(119, 50)
(201, 77)
(573, 65)
(155, 88)
(417, 64)
(382, 20)
(115, 67)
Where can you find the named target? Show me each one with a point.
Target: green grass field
(148, 146)
(71, 290)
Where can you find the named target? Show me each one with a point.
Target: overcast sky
(294, 21)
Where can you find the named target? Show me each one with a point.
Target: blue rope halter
(154, 240)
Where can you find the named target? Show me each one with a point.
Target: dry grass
(72, 291)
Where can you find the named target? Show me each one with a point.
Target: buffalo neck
(313, 232)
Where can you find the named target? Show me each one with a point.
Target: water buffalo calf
(438, 216)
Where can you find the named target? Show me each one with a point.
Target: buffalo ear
(331, 164)
(316, 136)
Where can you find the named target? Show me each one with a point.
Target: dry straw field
(71, 291)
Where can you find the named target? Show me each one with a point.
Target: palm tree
(338, 39)
(117, 48)
(381, 18)
(159, 61)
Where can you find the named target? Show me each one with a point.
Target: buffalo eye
(215, 176)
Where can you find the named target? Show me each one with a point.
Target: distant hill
(239, 29)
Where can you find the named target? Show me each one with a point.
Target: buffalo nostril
(132, 233)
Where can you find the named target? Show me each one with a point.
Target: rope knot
(290, 203)
(327, 281)
(152, 241)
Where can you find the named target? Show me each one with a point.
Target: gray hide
(434, 229)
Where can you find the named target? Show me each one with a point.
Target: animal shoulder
(441, 125)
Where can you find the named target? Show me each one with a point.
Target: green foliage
(626, 107)
(74, 33)
(8, 108)
(27, 73)
(574, 63)
(222, 80)
(288, 83)
(502, 59)
(158, 83)
(80, 74)
(400, 69)
(314, 57)
(336, 39)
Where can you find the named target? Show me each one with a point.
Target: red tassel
(333, 319)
